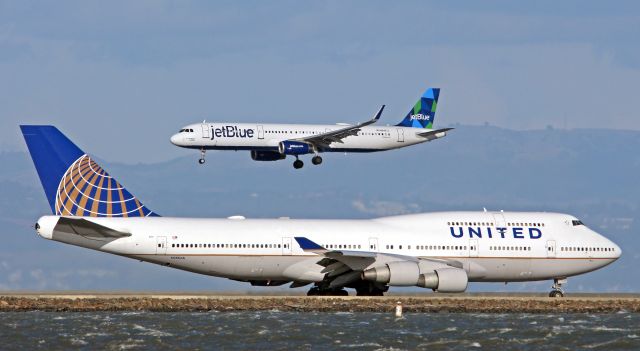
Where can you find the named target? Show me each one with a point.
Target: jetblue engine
(288, 147)
(403, 273)
(266, 155)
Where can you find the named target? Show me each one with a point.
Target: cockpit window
(576, 222)
(186, 130)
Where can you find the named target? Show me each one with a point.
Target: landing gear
(316, 291)
(297, 164)
(201, 160)
(369, 289)
(316, 160)
(557, 288)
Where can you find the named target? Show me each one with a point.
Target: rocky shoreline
(318, 304)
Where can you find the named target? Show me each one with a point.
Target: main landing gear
(557, 288)
(315, 291)
(201, 160)
(316, 160)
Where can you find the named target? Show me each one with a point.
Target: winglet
(308, 245)
(377, 116)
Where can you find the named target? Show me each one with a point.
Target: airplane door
(373, 244)
(473, 247)
(260, 132)
(205, 131)
(551, 248)
(499, 219)
(286, 246)
(161, 245)
(400, 135)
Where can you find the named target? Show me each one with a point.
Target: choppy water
(290, 330)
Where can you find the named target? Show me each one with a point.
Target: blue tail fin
(76, 185)
(423, 112)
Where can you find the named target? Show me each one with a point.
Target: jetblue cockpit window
(576, 222)
(186, 131)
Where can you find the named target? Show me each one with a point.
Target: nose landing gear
(557, 288)
(201, 160)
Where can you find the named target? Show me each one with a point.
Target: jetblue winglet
(308, 245)
(74, 183)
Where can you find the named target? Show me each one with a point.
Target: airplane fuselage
(491, 247)
(267, 137)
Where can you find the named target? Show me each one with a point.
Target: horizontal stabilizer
(435, 134)
(86, 228)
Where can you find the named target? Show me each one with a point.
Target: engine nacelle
(266, 155)
(288, 147)
(401, 273)
(445, 280)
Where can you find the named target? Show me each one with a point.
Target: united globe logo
(87, 190)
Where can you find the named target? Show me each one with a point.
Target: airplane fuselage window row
(342, 246)
(231, 246)
(587, 249)
(315, 132)
(510, 248)
(490, 224)
(428, 247)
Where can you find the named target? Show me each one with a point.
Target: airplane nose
(617, 251)
(175, 139)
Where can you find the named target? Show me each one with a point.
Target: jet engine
(405, 273)
(288, 147)
(266, 155)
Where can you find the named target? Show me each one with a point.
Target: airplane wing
(435, 134)
(345, 266)
(88, 229)
(336, 136)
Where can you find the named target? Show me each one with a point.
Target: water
(318, 331)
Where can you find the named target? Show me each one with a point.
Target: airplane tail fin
(75, 184)
(423, 112)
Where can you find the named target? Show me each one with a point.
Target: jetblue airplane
(272, 142)
(442, 251)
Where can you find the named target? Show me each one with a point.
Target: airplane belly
(503, 269)
(244, 267)
(551, 268)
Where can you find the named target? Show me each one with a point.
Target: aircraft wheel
(313, 292)
(556, 293)
(316, 160)
(297, 164)
(201, 161)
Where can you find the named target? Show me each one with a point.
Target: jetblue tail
(76, 185)
(423, 112)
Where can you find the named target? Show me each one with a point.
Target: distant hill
(590, 173)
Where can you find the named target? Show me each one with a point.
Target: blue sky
(138, 71)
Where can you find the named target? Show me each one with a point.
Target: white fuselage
(492, 246)
(266, 137)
